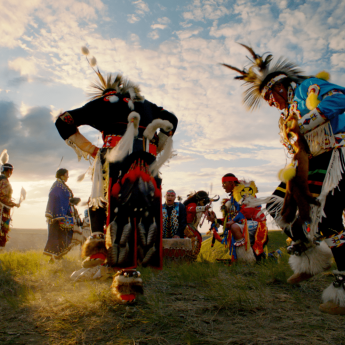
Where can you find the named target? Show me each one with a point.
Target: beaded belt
(112, 140)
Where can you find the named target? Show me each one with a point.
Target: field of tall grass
(199, 303)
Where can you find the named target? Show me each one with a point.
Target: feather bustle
(152, 233)
(126, 233)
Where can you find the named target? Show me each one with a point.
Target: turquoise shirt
(332, 107)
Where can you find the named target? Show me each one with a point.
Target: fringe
(273, 210)
(78, 151)
(97, 198)
(320, 139)
(333, 176)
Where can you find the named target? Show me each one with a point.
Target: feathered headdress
(259, 75)
(111, 82)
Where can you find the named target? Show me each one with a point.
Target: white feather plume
(22, 195)
(82, 176)
(154, 125)
(125, 146)
(164, 156)
(4, 157)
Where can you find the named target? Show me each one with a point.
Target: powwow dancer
(126, 190)
(318, 106)
(196, 205)
(6, 202)
(174, 216)
(245, 230)
(62, 218)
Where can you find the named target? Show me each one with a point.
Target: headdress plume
(110, 82)
(4, 157)
(260, 73)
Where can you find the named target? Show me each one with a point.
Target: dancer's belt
(112, 140)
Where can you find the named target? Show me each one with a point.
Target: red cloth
(191, 212)
(251, 213)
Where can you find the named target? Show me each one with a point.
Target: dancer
(126, 189)
(196, 204)
(6, 202)
(174, 216)
(245, 230)
(318, 106)
(62, 218)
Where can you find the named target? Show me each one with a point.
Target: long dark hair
(196, 197)
(61, 172)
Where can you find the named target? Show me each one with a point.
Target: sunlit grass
(192, 303)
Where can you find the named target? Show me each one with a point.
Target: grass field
(199, 303)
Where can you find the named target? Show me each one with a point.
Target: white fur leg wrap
(333, 294)
(245, 255)
(313, 261)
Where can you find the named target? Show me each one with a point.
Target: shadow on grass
(197, 303)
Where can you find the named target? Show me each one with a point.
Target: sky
(172, 49)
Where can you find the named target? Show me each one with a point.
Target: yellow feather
(287, 173)
(323, 75)
(312, 101)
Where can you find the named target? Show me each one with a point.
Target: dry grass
(199, 303)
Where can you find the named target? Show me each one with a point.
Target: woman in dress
(59, 214)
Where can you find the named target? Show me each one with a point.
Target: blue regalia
(60, 220)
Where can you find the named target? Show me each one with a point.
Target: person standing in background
(174, 216)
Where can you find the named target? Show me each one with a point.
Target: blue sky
(172, 50)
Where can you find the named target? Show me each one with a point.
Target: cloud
(132, 18)
(32, 141)
(158, 26)
(15, 16)
(28, 79)
(141, 6)
(188, 33)
(153, 34)
(23, 66)
(338, 60)
(207, 9)
(162, 23)
(186, 24)
(163, 20)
